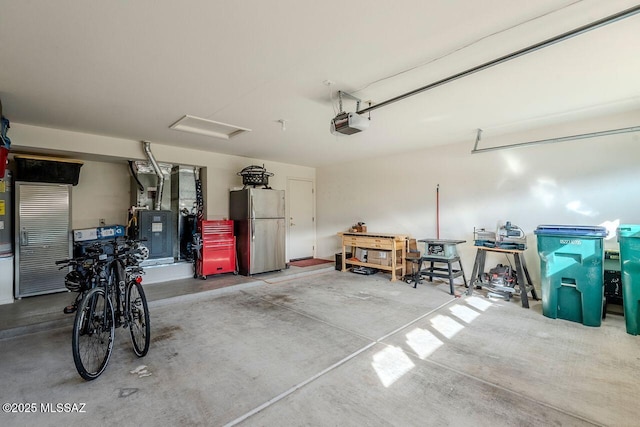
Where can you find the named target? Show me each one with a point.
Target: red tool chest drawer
(217, 229)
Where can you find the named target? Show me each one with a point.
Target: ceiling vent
(206, 127)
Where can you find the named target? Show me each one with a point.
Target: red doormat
(309, 262)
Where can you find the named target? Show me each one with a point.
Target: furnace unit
(155, 229)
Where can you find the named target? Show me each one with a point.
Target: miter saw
(510, 236)
(507, 236)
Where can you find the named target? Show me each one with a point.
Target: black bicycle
(112, 296)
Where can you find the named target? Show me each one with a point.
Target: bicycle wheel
(139, 324)
(93, 332)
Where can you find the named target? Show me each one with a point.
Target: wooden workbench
(377, 241)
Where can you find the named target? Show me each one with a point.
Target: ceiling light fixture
(207, 127)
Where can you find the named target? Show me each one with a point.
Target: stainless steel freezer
(259, 225)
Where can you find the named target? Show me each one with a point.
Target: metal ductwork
(158, 171)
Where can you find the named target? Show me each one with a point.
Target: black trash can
(339, 260)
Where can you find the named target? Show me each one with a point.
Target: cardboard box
(376, 254)
(379, 257)
(99, 233)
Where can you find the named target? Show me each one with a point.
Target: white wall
(105, 178)
(581, 182)
(104, 186)
(102, 193)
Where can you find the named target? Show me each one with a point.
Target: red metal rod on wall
(438, 211)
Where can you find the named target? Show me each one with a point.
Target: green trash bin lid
(628, 230)
(572, 230)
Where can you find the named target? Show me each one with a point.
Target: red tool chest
(218, 253)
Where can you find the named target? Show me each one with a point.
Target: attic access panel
(207, 127)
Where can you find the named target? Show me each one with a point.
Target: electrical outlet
(102, 222)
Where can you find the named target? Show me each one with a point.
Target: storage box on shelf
(392, 245)
(47, 169)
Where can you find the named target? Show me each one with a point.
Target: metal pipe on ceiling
(541, 45)
(146, 145)
(554, 140)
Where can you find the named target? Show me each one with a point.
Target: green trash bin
(629, 238)
(572, 272)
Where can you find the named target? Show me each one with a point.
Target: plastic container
(44, 169)
(571, 272)
(629, 238)
(612, 277)
(4, 152)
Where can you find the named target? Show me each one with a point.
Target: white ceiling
(131, 69)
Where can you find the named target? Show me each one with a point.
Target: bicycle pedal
(69, 309)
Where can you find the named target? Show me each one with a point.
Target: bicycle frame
(119, 278)
(98, 273)
(111, 296)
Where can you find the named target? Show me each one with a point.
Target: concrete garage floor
(335, 348)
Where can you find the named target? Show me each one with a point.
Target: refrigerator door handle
(253, 218)
(253, 208)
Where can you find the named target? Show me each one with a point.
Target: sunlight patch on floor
(446, 326)
(479, 303)
(423, 342)
(464, 313)
(390, 364)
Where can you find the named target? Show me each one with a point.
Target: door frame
(288, 213)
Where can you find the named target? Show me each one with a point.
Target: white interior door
(302, 230)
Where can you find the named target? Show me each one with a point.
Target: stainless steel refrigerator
(259, 226)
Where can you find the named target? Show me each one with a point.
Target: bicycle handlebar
(95, 251)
